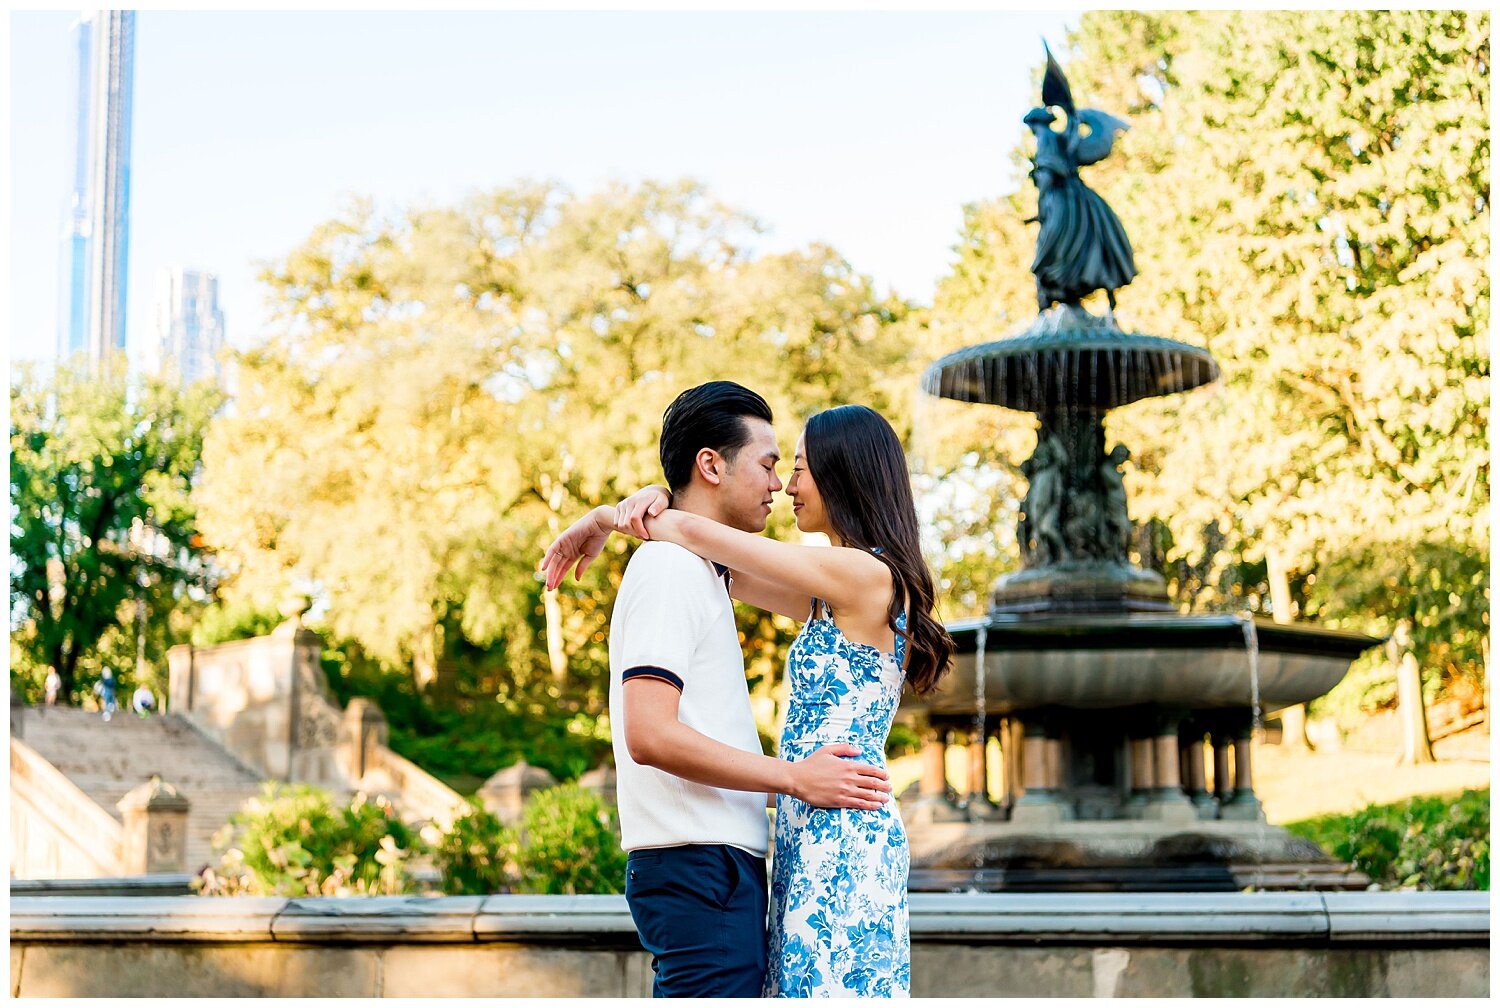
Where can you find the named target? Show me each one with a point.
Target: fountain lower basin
(1125, 659)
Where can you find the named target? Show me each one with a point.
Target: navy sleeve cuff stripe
(652, 672)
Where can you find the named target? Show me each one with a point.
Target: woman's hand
(632, 512)
(580, 544)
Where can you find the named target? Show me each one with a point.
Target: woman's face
(807, 504)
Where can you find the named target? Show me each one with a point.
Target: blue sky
(867, 130)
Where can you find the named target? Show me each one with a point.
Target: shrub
(570, 844)
(478, 854)
(1428, 842)
(293, 841)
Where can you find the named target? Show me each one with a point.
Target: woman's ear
(710, 466)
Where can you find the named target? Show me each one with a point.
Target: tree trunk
(66, 663)
(1293, 719)
(557, 657)
(427, 665)
(1416, 740)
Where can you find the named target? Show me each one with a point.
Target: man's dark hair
(711, 415)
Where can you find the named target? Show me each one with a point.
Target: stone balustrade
(54, 824)
(963, 945)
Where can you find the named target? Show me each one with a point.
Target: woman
(838, 913)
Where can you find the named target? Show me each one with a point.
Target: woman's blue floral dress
(838, 923)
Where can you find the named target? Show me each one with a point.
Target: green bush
(293, 841)
(1428, 842)
(570, 844)
(478, 855)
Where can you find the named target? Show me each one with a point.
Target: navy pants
(700, 910)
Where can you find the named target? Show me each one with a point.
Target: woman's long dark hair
(857, 463)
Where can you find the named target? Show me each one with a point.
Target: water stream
(1252, 657)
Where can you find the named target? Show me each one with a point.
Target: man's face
(744, 495)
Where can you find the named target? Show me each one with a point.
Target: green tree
(101, 473)
(451, 385)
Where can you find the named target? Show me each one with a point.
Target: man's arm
(656, 738)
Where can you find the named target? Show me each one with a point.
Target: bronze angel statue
(1081, 246)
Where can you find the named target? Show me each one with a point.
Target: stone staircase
(107, 758)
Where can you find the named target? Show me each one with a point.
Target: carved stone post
(364, 730)
(601, 781)
(507, 791)
(155, 820)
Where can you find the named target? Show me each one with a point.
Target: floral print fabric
(838, 923)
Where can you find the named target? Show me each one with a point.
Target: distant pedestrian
(105, 690)
(142, 701)
(53, 686)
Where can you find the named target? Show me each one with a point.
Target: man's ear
(710, 465)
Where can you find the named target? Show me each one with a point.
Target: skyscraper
(97, 239)
(189, 324)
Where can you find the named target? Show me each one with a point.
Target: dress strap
(901, 641)
(818, 607)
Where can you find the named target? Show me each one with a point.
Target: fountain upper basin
(1123, 659)
(1068, 358)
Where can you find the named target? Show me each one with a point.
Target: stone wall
(264, 700)
(963, 945)
(267, 702)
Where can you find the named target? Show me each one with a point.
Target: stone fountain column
(1167, 802)
(1041, 802)
(978, 801)
(1012, 740)
(1243, 805)
(931, 804)
(1221, 742)
(1196, 781)
(1142, 774)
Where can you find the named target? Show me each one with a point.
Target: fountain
(1105, 698)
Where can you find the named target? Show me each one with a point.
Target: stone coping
(158, 884)
(1304, 919)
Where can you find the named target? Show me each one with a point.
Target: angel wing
(1055, 90)
(1102, 129)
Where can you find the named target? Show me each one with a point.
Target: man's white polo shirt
(673, 620)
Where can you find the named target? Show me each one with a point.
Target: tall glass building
(96, 242)
(189, 324)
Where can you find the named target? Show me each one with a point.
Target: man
(692, 780)
(105, 690)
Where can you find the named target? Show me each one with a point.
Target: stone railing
(58, 823)
(417, 793)
(963, 945)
